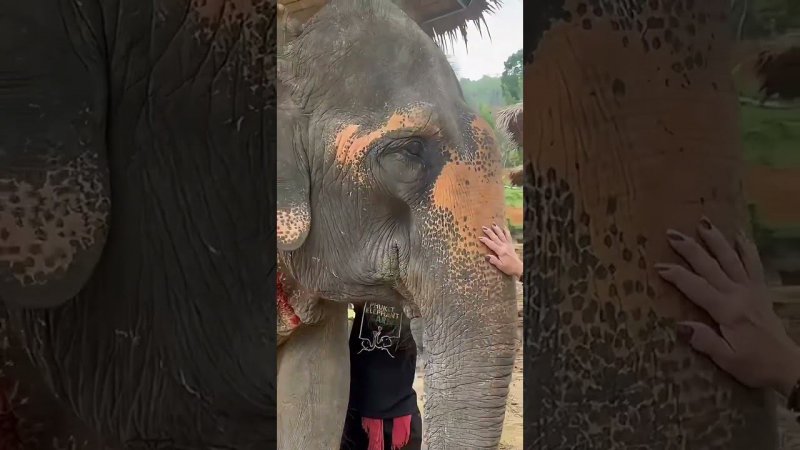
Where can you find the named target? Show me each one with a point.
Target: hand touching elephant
(728, 283)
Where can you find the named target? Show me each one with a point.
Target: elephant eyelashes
(404, 159)
(414, 147)
(408, 147)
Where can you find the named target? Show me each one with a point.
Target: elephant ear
(293, 178)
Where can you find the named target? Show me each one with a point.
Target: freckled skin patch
(293, 224)
(624, 148)
(48, 221)
(464, 184)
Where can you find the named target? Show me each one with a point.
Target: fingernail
(486, 258)
(494, 224)
(661, 267)
(684, 332)
(484, 228)
(675, 235)
(705, 223)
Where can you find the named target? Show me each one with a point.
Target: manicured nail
(675, 235)
(684, 332)
(705, 223)
(662, 268)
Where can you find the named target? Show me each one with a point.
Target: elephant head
(385, 178)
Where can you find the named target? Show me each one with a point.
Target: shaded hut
(509, 120)
(516, 176)
(779, 73)
(441, 19)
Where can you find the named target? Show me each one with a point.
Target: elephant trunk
(470, 341)
(469, 311)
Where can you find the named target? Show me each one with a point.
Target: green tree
(765, 18)
(486, 91)
(778, 16)
(511, 80)
(487, 115)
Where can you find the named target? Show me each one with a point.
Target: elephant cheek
(471, 198)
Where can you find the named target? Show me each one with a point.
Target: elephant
(137, 226)
(385, 178)
(634, 129)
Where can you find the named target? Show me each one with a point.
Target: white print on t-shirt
(380, 328)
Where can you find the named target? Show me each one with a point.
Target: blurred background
(766, 71)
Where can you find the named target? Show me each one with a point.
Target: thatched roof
(443, 20)
(509, 119)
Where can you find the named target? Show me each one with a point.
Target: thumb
(705, 340)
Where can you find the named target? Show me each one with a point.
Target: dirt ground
(515, 216)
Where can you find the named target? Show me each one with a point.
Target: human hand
(504, 258)
(752, 344)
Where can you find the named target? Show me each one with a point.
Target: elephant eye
(404, 160)
(414, 147)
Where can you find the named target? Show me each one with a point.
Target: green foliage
(485, 112)
(514, 197)
(511, 79)
(486, 91)
(770, 136)
(512, 156)
(770, 240)
(496, 92)
(766, 18)
(778, 16)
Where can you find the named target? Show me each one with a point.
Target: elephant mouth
(397, 263)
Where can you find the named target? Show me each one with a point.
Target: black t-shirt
(383, 358)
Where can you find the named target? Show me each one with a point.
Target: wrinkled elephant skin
(313, 358)
(634, 129)
(136, 239)
(385, 178)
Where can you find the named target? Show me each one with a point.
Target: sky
(485, 55)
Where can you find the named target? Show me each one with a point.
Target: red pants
(355, 438)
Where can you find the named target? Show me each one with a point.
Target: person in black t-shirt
(383, 412)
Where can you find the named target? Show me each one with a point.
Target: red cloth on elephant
(285, 311)
(401, 431)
